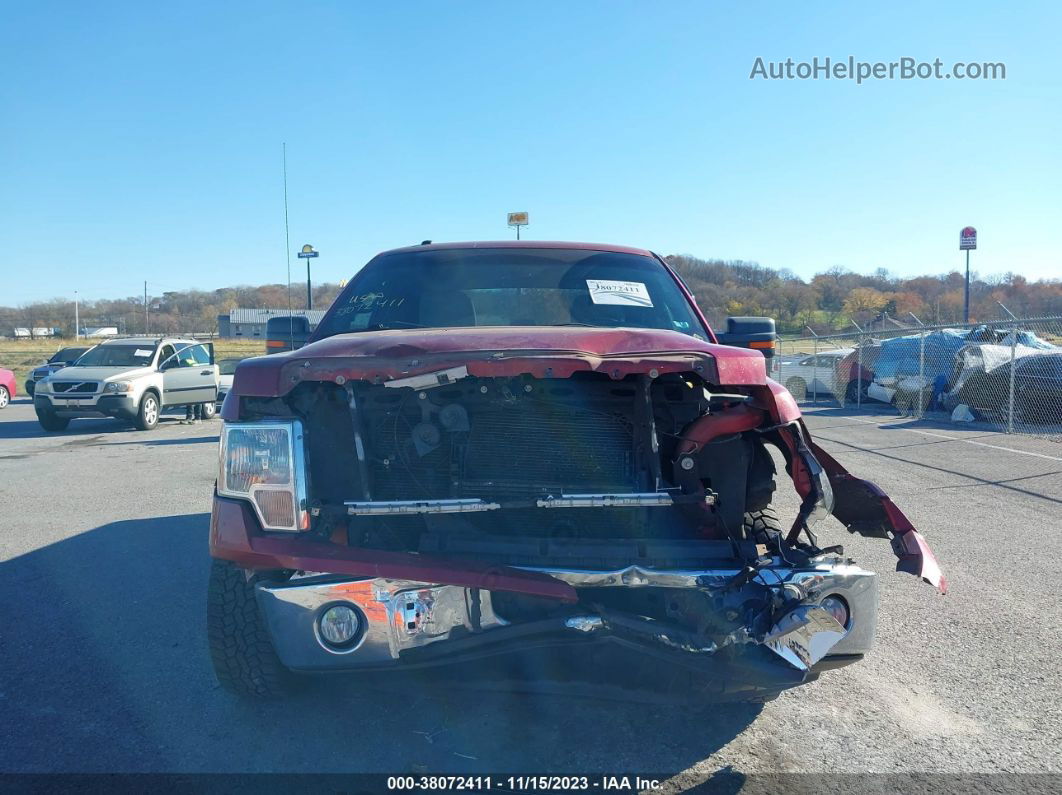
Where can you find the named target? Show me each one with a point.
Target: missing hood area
(610, 501)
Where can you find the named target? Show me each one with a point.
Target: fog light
(837, 608)
(339, 625)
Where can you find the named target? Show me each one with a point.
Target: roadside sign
(967, 239)
(308, 252)
(518, 219)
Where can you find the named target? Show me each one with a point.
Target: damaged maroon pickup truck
(532, 450)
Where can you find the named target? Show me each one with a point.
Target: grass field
(21, 356)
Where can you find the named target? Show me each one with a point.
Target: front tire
(240, 649)
(5, 397)
(210, 410)
(760, 525)
(52, 422)
(147, 416)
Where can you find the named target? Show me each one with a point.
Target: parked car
(226, 369)
(535, 452)
(814, 374)
(1037, 388)
(63, 357)
(7, 387)
(132, 379)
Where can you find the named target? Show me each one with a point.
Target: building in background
(251, 323)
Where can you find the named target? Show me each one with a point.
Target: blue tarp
(899, 356)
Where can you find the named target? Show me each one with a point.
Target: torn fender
(865, 509)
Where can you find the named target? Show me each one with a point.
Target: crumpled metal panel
(804, 635)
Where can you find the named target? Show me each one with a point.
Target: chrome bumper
(400, 616)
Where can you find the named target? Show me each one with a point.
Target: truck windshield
(118, 356)
(447, 288)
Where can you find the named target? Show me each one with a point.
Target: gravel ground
(104, 667)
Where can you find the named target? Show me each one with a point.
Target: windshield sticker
(140, 353)
(603, 291)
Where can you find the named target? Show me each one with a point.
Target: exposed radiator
(523, 452)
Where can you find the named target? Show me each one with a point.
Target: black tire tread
(52, 422)
(759, 522)
(243, 655)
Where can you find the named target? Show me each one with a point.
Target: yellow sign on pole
(518, 219)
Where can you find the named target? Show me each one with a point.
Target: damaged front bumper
(407, 625)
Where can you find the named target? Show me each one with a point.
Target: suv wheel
(52, 422)
(243, 655)
(148, 415)
(210, 410)
(5, 397)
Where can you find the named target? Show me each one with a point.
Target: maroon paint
(734, 420)
(776, 400)
(863, 507)
(235, 536)
(539, 351)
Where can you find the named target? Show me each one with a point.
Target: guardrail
(1004, 374)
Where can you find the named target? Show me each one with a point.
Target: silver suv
(131, 379)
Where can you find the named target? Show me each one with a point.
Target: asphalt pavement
(104, 665)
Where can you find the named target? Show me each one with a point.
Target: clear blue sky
(143, 140)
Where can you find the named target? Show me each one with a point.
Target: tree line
(830, 301)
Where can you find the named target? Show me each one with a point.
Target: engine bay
(602, 454)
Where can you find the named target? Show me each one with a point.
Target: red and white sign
(967, 239)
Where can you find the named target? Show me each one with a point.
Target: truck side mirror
(750, 332)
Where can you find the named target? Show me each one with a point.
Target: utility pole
(77, 322)
(145, 309)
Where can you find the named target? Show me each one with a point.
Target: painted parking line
(958, 439)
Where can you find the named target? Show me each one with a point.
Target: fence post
(859, 372)
(921, 373)
(1010, 391)
(815, 377)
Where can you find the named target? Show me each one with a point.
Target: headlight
(838, 608)
(118, 386)
(263, 462)
(44, 385)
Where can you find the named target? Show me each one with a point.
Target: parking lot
(104, 665)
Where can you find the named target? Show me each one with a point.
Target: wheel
(5, 397)
(210, 410)
(31, 387)
(758, 525)
(851, 393)
(52, 422)
(148, 415)
(243, 656)
(797, 387)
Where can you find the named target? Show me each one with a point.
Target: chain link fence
(1006, 375)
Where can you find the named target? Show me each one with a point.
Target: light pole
(967, 242)
(307, 254)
